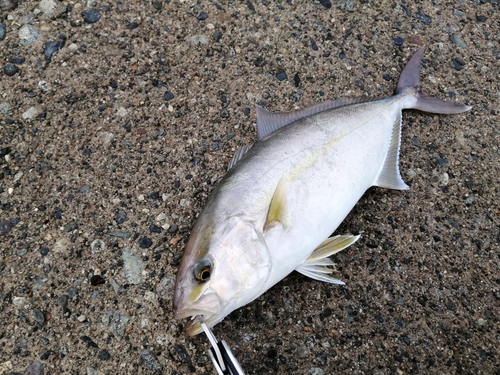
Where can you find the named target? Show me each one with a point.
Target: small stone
(21, 252)
(424, 18)
(3, 31)
(481, 322)
(85, 189)
(202, 16)
(28, 35)
(151, 362)
(10, 70)
(38, 316)
(90, 343)
(97, 280)
(17, 60)
(124, 235)
(132, 266)
(91, 15)
(52, 47)
(5, 227)
(165, 287)
(48, 7)
(62, 245)
(132, 25)
(456, 39)
(62, 301)
(116, 322)
(18, 301)
(168, 96)
(71, 227)
(398, 41)
(92, 371)
(40, 280)
(326, 3)
(97, 246)
(415, 40)
(36, 368)
(145, 243)
(481, 18)
(121, 217)
(315, 371)
(30, 113)
(281, 75)
(302, 352)
(217, 36)
(182, 353)
(198, 39)
(104, 355)
(154, 228)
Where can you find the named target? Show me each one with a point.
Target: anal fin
(317, 265)
(389, 176)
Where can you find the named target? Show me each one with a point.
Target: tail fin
(410, 80)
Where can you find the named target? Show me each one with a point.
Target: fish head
(224, 267)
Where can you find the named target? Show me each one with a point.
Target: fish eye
(203, 270)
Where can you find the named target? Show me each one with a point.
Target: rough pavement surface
(117, 119)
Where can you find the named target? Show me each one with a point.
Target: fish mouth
(194, 327)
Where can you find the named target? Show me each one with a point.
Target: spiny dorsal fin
(389, 176)
(278, 208)
(268, 122)
(316, 266)
(240, 151)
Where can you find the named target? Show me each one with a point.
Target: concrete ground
(114, 130)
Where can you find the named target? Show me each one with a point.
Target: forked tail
(410, 80)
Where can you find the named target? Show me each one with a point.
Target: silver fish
(282, 198)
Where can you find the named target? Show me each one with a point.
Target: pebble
(315, 371)
(457, 63)
(424, 18)
(202, 16)
(3, 31)
(150, 361)
(6, 109)
(28, 35)
(5, 228)
(481, 18)
(97, 246)
(154, 229)
(132, 266)
(198, 39)
(145, 243)
(48, 7)
(52, 47)
(182, 353)
(217, 36)
(168, 96)
(71, 227)
(92, 371)
(62, 301)
(398, 41)
(124, 235)
(39, 316)
(17, 60)
(281, 75)
(91, 15)
(326, 3)
(62, 245)
(30, 113)
(121, 217)
(97, 280)
(21, 252)
(104, 355)
(85, 189)
(10, 69)
(36, 368)
(165, 288)
(302, 351)
(40, 280)
(116, 322)
(456, 39)
(72, 292)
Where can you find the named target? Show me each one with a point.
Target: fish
(282, 197)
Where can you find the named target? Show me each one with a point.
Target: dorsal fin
(268, 122)
(389, 176)
(238, 154)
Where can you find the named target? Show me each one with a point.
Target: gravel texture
(117, 119)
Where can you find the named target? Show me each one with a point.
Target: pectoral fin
(278, 208)
(317, 265)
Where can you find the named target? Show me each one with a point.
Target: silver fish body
(276, 207)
